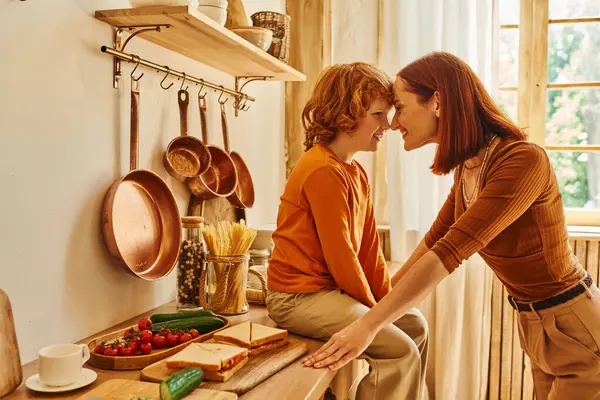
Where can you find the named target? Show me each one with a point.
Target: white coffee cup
(61, 364)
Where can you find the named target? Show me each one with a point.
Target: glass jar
(224, 280)
(190, 264)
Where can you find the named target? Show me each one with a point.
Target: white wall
(63, 142)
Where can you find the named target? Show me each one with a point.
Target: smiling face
(416, 121)
(371, 127)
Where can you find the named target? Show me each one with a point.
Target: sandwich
(255, 337)
(219, 361)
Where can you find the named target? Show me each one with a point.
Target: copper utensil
(186, 156)
(140, 217)
(243, 196)
(221, 178)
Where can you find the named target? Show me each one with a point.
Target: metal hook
(239, 104)
(244, 106)
(182, 82)
(201, 97)
(168, 73)
(237, 100)
(135, 68)
(221, 95)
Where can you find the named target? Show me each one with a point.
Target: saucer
(87, 376)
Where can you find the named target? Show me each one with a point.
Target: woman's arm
(414, 257)
(352, 341)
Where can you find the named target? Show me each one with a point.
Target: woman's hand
(343, 347)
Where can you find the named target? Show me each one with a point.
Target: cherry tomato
(172, 340)
(146, 348)
(137, 341)
(186, 337)
(158, 341)
(165, 332)
(126, 351)
(146, 336)
(109, 351)
(194, 333)
(99, 349)
(119, 346)
(145, 323)
(129, 333)
(133, 346)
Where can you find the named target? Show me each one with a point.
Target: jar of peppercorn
(190, 264)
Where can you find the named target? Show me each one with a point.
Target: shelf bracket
(240, 82)
(118, 39)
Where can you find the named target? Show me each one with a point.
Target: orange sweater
(516, 224)
(326, 236)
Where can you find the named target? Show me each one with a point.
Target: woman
(505, 204)
(327, 268)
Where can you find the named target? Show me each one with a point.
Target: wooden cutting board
(124, 389)
(215, 210)
(258, 369)
(11, 373)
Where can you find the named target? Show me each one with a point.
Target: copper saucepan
(140, 218)
(186, 156)
(221, 178)
(243, 196)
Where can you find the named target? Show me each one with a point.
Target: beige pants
(397, 356)
(563, 345)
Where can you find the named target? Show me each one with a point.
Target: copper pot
(221, 178)
(243, 196)
(186, 156)
(140, 217)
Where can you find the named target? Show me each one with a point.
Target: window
(548, 79)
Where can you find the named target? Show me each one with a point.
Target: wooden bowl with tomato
(153, 339)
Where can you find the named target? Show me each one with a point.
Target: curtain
(458, 311)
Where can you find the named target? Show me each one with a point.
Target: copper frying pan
(243, 196)
(140, 217)
(221, 178)
(186, 156)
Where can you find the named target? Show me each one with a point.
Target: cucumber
(156, 318)
(202, 324)
(181, 383)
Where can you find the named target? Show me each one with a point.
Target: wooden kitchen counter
(293, 382)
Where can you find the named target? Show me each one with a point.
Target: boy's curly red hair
(340, 97)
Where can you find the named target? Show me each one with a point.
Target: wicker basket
(280, 25)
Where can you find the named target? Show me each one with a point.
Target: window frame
(532, 85)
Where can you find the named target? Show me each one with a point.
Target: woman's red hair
(468, 115)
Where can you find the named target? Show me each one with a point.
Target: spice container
(190, 264)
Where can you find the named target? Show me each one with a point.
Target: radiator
(510, 371)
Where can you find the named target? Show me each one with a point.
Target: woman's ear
(436, 103)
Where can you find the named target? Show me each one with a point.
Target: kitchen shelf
(196, 36)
